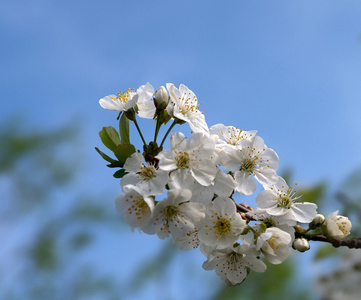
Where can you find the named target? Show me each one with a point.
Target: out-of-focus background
(289, 69)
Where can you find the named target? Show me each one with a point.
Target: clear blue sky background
(289, 69)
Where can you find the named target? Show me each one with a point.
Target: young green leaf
(106, 157)
(120, 173)
(124, 129)
(123, 151)
(109, 137)
(115, 164)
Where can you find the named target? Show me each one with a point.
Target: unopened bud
(337, 227)
(319, 219)
(161, 98)
(301, 244)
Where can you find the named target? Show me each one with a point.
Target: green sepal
(262, 228)
(124, 129)
(164, 117)
(123, 151)
(110, 137)
(151, 151)
(120, 173)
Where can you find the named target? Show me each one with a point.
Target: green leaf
(116, 164)
(325, 251)
(124, 129)
(106, 157)
(120, 173)
(110, 137)
(123, 151)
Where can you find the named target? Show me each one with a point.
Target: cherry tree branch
(352, 243)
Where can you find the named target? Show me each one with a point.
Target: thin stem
(140, 133)
(168, 131)
(157, 127)
(311, 234)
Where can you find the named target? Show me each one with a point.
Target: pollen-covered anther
(223, 227)
(122, 96)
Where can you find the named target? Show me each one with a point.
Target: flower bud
(317, 221)
(337, 227)
(301, 244)
(161, 98)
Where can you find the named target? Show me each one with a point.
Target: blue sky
(289, 69)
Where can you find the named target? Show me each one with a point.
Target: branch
(243, 209)
(350, 242)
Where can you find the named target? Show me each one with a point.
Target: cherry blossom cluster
(187, 192)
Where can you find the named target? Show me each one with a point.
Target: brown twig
(352, 243)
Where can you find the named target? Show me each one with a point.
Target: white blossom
(222, 185)
(151, 180)
(337, 226)
(145, 104)
(252, 157)
(232, 265)
(126, 100)
(175, 215)
(135, 206)
(230, 136)
(222, 225)
(188, 242)
(274, 244)
(195, 155)
(277, 221)
(185, 107)
(181, 179)
(280, 200)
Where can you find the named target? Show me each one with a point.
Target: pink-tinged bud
(161, 98)
(301, 244)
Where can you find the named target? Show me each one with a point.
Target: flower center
(249, 165)
(342, 225)
(170, 211)
(234, 136)
(235, 257)
(182, 160)
(223, 226)
(147, 173)
(140, 207)
(272, 243)
(284, 202)
(123, 96)
(188, 104)
(286, 199)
